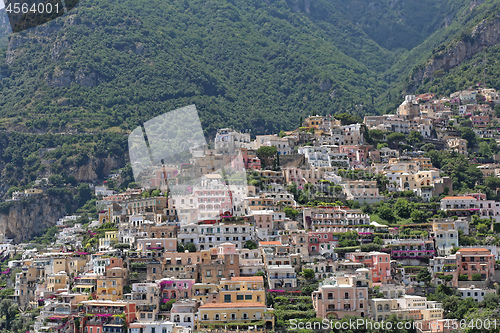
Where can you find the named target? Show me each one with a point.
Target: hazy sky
(1, 4)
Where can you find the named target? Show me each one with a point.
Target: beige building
(409, 108)
(342, 296)
(242, 314)
(243, 289)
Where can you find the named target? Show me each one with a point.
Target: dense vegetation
(257, 65)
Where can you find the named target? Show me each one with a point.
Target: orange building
(378, 262)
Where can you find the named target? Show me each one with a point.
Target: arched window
(205, 316)
(217, 316)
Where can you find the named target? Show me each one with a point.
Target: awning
(84, 286)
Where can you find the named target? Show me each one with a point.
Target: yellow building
(110, 238)
(241, 314)
(205, 292)
(33, 191)
(242, 289)
(382, 308)
(432, 313)
(411, 181)
(59, 264)
(110, 287)
(76, 265)
(57, 281)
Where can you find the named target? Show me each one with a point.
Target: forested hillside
(249, 64)
(257, 65)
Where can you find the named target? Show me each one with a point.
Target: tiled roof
(270, 243)
(459, 198)
(247, 278)
(474, 249)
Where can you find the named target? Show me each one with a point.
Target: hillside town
(377, 219)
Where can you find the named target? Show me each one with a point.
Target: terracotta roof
(233, 305)
(247, 278)
(474, 249)
(459, 198)
(270, 243)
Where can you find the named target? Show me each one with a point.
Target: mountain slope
(249, 64)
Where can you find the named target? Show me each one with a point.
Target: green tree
(190, 247)
(402, 208)
(385, 212)
(469, 135)
(424, 275)
(291, 212)
(266, 152)
(308, 273)
(415, 137)
(249, 244)
(377, 240)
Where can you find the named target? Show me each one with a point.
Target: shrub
(476, 277)
(463, 277)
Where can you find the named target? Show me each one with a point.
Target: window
(233, 316)
(227, 298)
(330, 295)
(240, 297)
(217, 316)
(245, 316)
(248, 297)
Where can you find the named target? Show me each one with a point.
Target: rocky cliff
(483, 35)
(22, 220)
(96, 168)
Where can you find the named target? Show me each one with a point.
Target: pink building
(342, 296)
(171, 288)
(472, 261)
(480, 121)
(357, 154)
(378, 262)
(317, 238)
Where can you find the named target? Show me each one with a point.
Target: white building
(206, 236)
(280, 276)
(228, 140)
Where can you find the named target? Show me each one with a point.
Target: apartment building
(342, 296)
(242, 289)
(378, 262)
(206, 236)
(222, 314)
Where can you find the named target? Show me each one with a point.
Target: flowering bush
(164, 283)
(276, 290)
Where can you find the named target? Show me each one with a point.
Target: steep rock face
(26, 219)
(96, 168)
(484, 35)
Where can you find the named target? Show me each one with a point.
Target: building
(256, 315)
(342, 296)
(362, 191)
(243, 289)
(476, 293)
(409, 108)
(227, 140)
(378, 262)
(281, 276)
